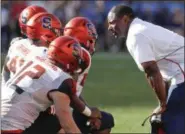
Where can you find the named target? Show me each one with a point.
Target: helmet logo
(46, 22)
(91, 30)
(24, 17)
(76, 50)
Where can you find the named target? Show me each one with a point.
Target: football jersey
(25, 95)
(19, 51)
(149, 42)
(82, 77)
(5, 76)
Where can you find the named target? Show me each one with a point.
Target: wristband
(87, 111)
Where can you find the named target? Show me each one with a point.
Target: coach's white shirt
(148, 42)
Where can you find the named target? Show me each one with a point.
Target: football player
(39, 83)
(47, 123)
(25, 15)
(84, 31)
(41, 29)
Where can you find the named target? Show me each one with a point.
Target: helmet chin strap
(84, 46)
(44, 41)
(88, 48)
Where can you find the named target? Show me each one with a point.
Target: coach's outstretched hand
(159, 110)
(95, 113)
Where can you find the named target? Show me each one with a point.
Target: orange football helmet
(67, 52)
(44, 27)
(84, 31)
(26, 14)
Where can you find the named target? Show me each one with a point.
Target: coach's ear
(125, 19)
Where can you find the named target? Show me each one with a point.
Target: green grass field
(116, 85)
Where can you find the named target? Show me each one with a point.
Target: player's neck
(55, 63)
(38, 43)
(52, 61)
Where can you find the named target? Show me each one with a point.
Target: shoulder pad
(15, 40)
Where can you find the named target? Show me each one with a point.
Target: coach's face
(117, 26)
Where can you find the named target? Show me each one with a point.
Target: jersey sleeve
(5, 72)
(5, 76)
(141, 50)
(15, 40)
(67, 87)
(41, 51)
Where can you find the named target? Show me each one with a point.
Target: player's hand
(94, 123)
(159, 110)
(95, 113)
(52, 110)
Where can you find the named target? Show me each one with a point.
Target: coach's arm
(155, 79)
(141, 48)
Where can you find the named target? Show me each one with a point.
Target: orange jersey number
(15, 63)
(34, 75)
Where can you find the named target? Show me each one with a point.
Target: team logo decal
(46, 22)
(24, 17)
(76, 50)
(91, 30)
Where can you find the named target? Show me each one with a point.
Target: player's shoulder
(53, 71)
(17, 40)
(14, 44)
(43, 49)
(39, 51)
(66, 84)
(20, 42)
(14, 40)
(59, 76)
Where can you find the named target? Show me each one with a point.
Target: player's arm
(82, 99)
(155, 80)
(5, 72)
(81, 106)
(61, 102)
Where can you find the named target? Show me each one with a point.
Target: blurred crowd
(167, 14)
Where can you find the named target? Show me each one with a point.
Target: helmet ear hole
(69, 45)
(72, 63)
(84, 23)
(91, 41)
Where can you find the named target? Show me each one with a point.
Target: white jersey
(25, 94)
(19, 51)
(149, 42)
(82, 77)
